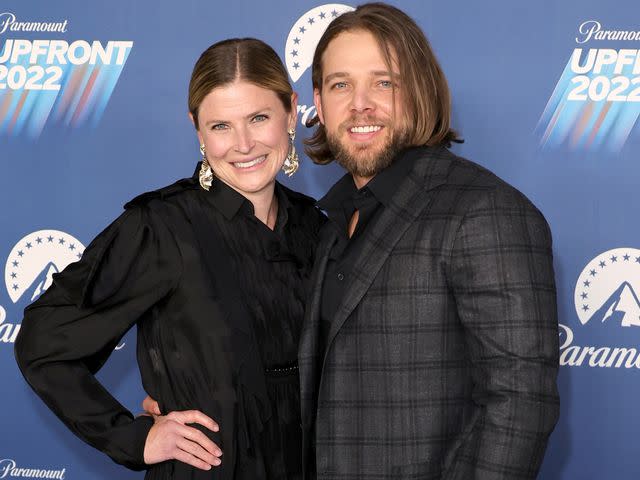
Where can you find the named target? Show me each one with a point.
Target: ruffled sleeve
(70, 331)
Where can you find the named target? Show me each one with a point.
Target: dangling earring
(291, 163)
(205, 177)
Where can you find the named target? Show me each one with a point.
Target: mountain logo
(35, 258)
(608, 287)
(305, 35)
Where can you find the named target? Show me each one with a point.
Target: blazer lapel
(409, 201)
(309, 351)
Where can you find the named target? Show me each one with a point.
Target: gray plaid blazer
(443, 355)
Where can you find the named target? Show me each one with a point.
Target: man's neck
(361, 181)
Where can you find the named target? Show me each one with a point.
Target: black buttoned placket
(345, 253)
(340, 203)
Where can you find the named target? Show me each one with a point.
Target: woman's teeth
(250, 163)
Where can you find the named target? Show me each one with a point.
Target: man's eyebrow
(331, 76)
(375, 73)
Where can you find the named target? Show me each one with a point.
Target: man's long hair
(421, 78)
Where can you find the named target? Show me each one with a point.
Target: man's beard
(364, 163)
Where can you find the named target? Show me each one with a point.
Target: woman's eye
(386, 83)
(260, 118)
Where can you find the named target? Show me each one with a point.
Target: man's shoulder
(463, 172)
(457, 170)
(471, 182)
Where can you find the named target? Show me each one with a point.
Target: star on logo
(308, 27)
(34, 258)
(637, 259)
(606, 290)
(626, 257)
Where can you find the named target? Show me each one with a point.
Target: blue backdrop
(546, 94)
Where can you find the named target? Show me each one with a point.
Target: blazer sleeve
(503, 281)
(70, 331)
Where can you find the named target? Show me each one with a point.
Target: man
(430, 343)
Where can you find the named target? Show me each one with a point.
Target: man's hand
(151, 407)
(171, 438)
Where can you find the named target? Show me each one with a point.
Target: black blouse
(218, 301)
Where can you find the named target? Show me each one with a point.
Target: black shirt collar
(382, 186)
(230, 202)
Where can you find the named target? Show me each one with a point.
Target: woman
(211, 270)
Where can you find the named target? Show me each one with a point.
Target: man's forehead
(357, 46)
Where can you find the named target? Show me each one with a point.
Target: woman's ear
(294, 111)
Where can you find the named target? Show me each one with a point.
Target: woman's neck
(265, 206)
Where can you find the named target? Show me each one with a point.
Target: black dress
(218, 300)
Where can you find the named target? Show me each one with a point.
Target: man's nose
(362, 101)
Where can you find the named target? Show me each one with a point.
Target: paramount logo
(608, 307)
(9, 22)
(595, 357)
(9, 468)
(622, 307)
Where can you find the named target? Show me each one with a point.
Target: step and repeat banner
(93, 110)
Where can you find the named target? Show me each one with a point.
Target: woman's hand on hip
(171, 438)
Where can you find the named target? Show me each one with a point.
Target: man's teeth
(365, 129)
(250, 163)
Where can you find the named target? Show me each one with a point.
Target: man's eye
(339, 85)
(219, 126)
(386, 83)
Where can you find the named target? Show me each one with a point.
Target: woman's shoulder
(171, 192)
(123, 254)
(298, 198)
(168, 208)
(302, 202)
(307, 212)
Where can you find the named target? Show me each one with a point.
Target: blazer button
(340, 276)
